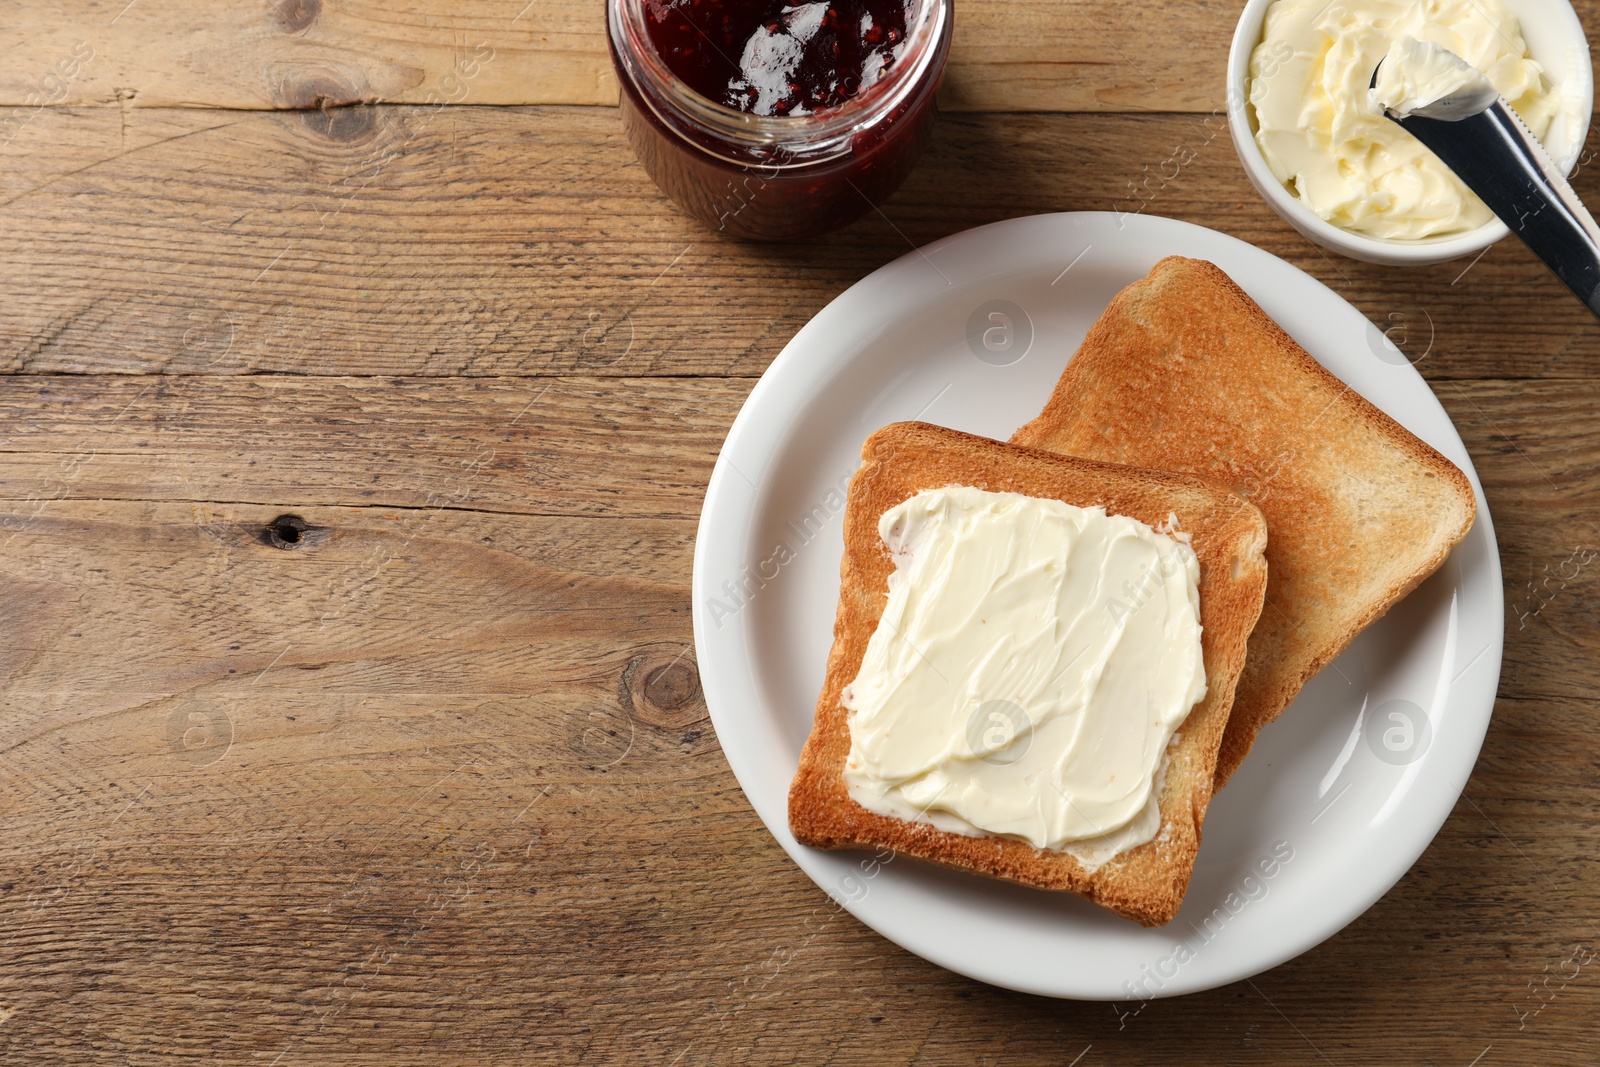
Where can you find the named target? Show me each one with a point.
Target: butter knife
(1477, 135)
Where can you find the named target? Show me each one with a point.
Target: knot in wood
(296, 16)
(288, 532)
(344, 123)
(663, 690)
(327, 94)
(672, 686)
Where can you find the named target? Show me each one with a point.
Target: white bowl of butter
(1348, 178)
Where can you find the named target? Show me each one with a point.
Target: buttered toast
(1228, 535)
(1185, 372)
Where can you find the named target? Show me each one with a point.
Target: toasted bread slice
(1145, 883)
(1185, 372)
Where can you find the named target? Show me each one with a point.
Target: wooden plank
(643, 449)
(571, 446)
(1007, 55)
(493, 241)
(304, 53)
(1538, 457)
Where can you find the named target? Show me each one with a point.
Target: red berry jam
(768, 57)
(778, 121)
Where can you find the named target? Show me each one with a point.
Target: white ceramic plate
(1338, 798)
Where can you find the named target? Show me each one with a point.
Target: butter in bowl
(1327, 159)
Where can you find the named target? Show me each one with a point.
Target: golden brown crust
(1185, 372)
(1146, 883)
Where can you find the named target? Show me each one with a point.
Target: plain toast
(1185, 372)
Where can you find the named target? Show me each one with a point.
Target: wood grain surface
(1006, 55)
(349, 473)
(494, 241)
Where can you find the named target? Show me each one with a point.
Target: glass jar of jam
(778, 120)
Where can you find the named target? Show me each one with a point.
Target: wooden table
(362, 396)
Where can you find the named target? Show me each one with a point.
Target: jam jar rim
(792, 140)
